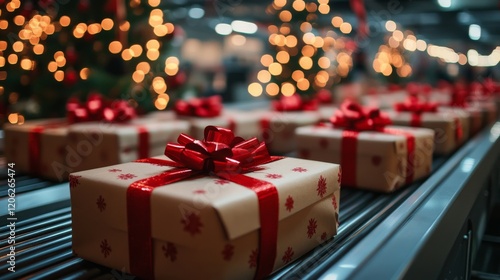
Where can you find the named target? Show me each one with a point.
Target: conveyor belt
(43, 231)
(43, 241)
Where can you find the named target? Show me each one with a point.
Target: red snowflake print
(221, 182)
(321, 186)
(339, 177)
(252, 259)
(289, 203)
(199, 192)
(311, 228)
(299, 169)
(273, 176)
(170, 251)
(323, 143)
(228, 252)
(323, 236)
(334, 202)
(126, 176)
(101, 203)
(74, 180)
(288, 255)
(113, 170)
(105, 248)
(192, 223)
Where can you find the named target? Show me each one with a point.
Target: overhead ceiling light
(244, 26)
(474, 32)
(444, 3)
(196, 12)
(223, 29)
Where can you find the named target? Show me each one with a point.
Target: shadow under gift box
(381, 161)
(36, 145)
(204, 227)
(448, 127)
(97, 144)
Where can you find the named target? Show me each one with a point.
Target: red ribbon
(34, 144)
(200, 107)
(294, 103)
(413, 105)
(358, 8)
(324, 96)
(96, 108)
(353, 118)
(220, 154)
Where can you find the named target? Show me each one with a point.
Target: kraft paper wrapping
(52, 145)
(444, 124)
(204, 227)
(278, 128)
(97, 144)
(381, 159)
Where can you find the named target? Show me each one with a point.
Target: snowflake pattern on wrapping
(334, 202)
(289, 203)
(323, 236)
(339, 177)
(299, 169)
(228, 252)
(199, 192)
(221, 182)
(252, 259)
(273, 176)
(74, 180)
(101, 203)
(113, 170)
(311, 228)
(321, 186)
(288, 255)
(192, 223)
(170, 251)
(105, 248)
(126, 176)
(323, 143)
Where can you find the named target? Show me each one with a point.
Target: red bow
(294, 103)
(96, 109)
(354, 117)
(200, 107)
(219, 151)
(412, 104)
(324, 96)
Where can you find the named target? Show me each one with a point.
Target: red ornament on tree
(70, 77)
(71, 55)
(177, 80)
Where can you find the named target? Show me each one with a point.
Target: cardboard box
(375, 161)
(203, 227)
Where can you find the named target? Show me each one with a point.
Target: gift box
(448, 127)
(372, 155)
(37, 146)
(97, 144)
(472, 118)
(167, 218)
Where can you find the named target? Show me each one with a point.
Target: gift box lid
(49, 126)
(182, 211)
(431, 117)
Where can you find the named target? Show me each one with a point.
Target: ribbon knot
(96, 108)
(413, 105)
(219, 151)
(294, 103)
(354, 117)
(200, 107)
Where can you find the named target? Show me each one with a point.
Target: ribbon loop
(96, 109)
(294, 103)
(413, 105)
(199, 107)
(352, 116)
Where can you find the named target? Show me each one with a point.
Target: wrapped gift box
(278, 128)
(37, 146)
(380, 161)
(488, 110)
(472, 116)
(202, 226)
(97, 144)
(448, 127)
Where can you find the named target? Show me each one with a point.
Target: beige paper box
(97, 144)
(448, 128)
(382, 161)
(38, 155)
(204, 227)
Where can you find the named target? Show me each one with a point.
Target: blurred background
(152, 52)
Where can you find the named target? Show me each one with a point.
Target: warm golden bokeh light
(59, 75)
(282, 57)
(345, 28)
(272, 89)
(337, 21)
(287, 89)
(84, 73)
(266, 60)
(107, 24)
(115, 47)
(38, 49)
(153, 54)
(264, 76)
(275, 69)
(255, 89)
(64, 21)
(306, 62)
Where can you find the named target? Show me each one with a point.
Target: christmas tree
(306, 57)
(58, 49)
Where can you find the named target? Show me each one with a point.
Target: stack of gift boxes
(226, 175)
